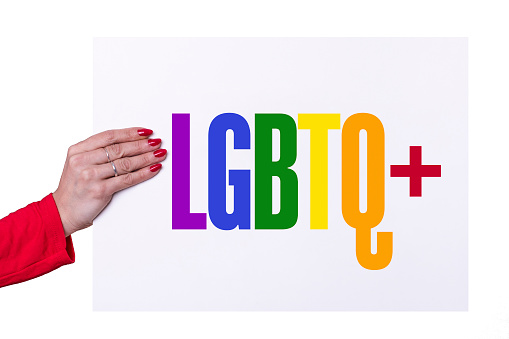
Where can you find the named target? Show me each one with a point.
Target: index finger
(110, 137)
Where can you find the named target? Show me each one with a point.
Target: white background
(417, 87)
(46, 105)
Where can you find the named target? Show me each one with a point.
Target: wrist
(62, 211)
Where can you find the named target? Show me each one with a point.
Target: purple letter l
(182, 218)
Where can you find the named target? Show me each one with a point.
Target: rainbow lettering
(266, 168)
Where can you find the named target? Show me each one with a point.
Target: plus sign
(416, 171)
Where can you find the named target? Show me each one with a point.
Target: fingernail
(154, 142)
(145, 131)
(160, 153)
(155, 168)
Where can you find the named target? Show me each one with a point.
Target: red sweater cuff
(53, 223)
(36, 243)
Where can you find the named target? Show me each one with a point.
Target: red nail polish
(160, 153)
(154, 142)
(155, 168)
(145, 131)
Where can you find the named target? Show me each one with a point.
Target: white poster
(303, 174)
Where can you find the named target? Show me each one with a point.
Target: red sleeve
(32, 242)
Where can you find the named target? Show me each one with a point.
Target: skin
(88, 183)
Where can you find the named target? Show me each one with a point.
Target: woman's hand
(88, 181)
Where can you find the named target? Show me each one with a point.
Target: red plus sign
(416, 171)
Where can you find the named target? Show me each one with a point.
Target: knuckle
(88, 174)
(71, 151)
(148, 159)
(99, 191)
(128, 179)
(110, 136)
(75, 160)
(125, 164)
(126, 134)
(132, 133)
(115, 150)
(140, 145)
